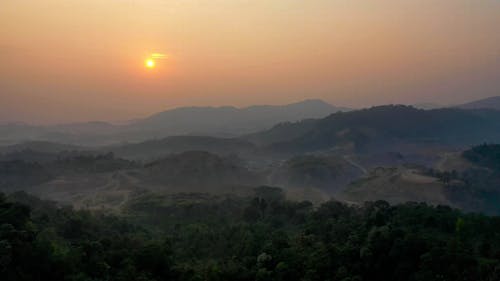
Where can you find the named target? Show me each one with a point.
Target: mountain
(281, 132)
(383, 127)
(428, 105)
(224, 121)
(487, 103)
(231, 121)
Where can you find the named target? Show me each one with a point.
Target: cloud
(158, 56)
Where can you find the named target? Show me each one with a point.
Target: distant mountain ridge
(383, 126)
(225, 121)
(232, 121)
(487, 103)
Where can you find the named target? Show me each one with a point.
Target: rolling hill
(231, 121)
(223, 121)
(396, 185)
(199, 169)
(328, 174)
(383, 127)
(487, 103)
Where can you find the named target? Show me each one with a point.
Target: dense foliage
(196, 237)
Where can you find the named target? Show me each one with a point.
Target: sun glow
(150, 63)
(151, 60)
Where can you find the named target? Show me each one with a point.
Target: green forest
(263, 237)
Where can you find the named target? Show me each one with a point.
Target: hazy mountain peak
(428, 105)
(312, 101)
(486, 103)
(231, 121)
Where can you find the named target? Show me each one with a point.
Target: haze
(65, 61)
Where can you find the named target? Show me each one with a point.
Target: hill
(328, 174)
(428, 105)
(199, 169)
(487, 103)
(396, 185)
(226, 121)
(383, 128)
(231, 121)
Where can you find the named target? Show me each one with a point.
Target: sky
(70, 61)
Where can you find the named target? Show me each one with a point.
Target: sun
(150, 63)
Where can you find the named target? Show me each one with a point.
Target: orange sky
(67, 60)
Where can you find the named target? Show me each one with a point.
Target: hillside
(103, 181)
(396, 185)
(487, 103)
(383, 127)
(328, 174)
(231, 121)
(225, 121)
(199, 169)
